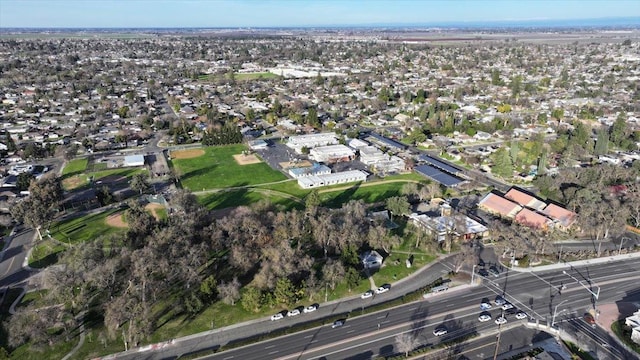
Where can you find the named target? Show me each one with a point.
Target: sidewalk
(569, 265)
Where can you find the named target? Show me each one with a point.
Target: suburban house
(371, 260)
(461, 227)
(532, 219)
(633, 322)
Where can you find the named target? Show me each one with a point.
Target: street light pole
(595, 294)
(555, 312)
(473, 273)
(621, 242)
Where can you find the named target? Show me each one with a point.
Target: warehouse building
(315, 169)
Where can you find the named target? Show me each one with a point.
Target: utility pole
(555, 312)
(495, 353)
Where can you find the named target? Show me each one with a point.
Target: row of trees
(255, 258)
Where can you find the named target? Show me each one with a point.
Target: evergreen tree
(602, 142)
(502, 163)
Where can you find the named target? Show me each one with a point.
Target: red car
(589, 319)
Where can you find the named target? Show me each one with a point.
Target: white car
(485, 306)
(521, 315)
(277, 316)
(439, 331)
(337, 323)
(500, 301)
(293, 312)
(382, 289)
(484, 317)
(501, 320)
(507, 306)
(367, 295)
(310, 308)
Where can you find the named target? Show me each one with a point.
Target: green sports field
(217, 169)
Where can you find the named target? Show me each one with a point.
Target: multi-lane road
(540, 295)
(11, 271)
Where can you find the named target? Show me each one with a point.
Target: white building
(310, 182)
(459, 226)
(357, 144)
(633, 322)
(311, 141)
(258, 144)
(315, 169)
(391, 165)
(332, 153)
(370, 155)
(134, 160)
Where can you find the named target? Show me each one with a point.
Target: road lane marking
(270, 346)
(228, 357)
(350, 331)
(309, 336)
(273, 352)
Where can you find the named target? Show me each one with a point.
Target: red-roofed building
(525, 199)
(561, 217)
(530, 218)
(498, 205)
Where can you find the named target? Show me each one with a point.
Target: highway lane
(519, 288)
(11, 270)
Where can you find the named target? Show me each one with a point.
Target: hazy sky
(232, 13)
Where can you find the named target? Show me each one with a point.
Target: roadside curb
(568, 265)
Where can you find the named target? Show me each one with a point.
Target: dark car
(494, 271)
(483, 272)
(338, 323)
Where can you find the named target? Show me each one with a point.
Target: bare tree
(406, 342)
(229, 292)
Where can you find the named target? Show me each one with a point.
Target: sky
(292, 13)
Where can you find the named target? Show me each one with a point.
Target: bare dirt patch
(153, 209)
(187, 153)
(295, 164)
(116, 220)
(242, 159)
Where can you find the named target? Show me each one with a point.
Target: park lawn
(84, 228)
(368, 194)
(79, 180)
(45, 253)
(244, 197)
(218, 169)
(255, 76)
(162, 214)
(395, 268)
(75, 167)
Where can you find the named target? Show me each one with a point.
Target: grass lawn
(218, 169)
(79, 180)
(255, 76)
(45, 253)
(84, 228)
(244, 197)
(162, 214)
(369, 194)
(74, 167)
(58, 351)
(395, 268)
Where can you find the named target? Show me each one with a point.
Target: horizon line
(635, 21)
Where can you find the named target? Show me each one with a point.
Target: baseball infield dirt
(187, 154)
(246, 159)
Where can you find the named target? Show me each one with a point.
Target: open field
(246, 197)
(186, 154)
(218, 169)
(84, 228)
(80, 180)
(45, 253)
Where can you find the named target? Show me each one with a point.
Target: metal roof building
(441, 165)
(314, 181)
(311, 141)
(315, 169)
(332, 153)
(441, 177)
(134, 160)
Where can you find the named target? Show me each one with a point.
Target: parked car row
(381, 290)
(294, 312)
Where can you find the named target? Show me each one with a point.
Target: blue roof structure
(440, 165)
(312, 170)
(436, 174)
(389, 142)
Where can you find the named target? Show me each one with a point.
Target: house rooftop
(497, 204)
(533, 219)
(524, 199)
(560, 214)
